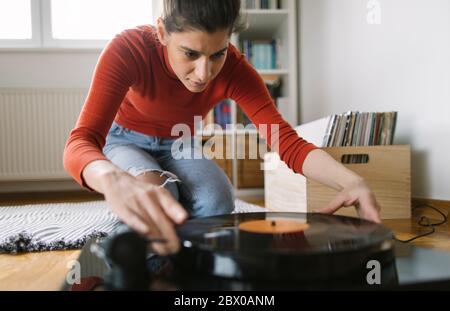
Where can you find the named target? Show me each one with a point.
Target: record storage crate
(386, 169)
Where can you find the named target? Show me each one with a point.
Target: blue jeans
(198, 184)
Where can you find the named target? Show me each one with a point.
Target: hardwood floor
(47, 197)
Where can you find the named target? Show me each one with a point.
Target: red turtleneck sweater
(134, 85)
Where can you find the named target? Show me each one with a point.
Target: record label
(274, 226)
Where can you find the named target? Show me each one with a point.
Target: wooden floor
(46, 271)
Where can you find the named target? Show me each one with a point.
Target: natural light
(96, 19)
(15, 19)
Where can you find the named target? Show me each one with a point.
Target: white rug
(62, 226)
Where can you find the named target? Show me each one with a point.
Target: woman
(149, 79)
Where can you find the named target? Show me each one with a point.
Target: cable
(425, 222)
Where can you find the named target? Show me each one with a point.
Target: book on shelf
(261, 4)
(262, 54)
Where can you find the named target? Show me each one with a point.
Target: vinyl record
(282, 246)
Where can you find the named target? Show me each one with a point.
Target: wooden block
(284, 191)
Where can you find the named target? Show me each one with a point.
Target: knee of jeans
(211, 203)
(173, 189)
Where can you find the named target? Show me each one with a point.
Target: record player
(265, 251)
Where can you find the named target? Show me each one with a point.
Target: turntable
(266, 251)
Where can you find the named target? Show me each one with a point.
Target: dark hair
(204, 15)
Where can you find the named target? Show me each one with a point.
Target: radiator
(34, 126)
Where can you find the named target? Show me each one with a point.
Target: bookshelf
(264, 25)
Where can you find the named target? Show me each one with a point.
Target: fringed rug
(63, 226)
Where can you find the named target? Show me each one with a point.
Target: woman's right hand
(148, 209)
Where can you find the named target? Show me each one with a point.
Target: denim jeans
(199, 185)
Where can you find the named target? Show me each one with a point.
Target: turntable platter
(282, 246)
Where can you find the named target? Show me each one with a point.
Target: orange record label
(273, 226)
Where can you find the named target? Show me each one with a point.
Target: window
(100, 20)
(70, 23)
(19, 23)
(15, 19)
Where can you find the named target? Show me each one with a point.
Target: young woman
(149, 79)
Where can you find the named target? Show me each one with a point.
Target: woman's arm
(99, 175)
(353, 191)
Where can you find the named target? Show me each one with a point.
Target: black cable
(425, 222)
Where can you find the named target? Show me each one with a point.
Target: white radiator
(34, 126)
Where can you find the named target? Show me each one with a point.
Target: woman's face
(195, 56)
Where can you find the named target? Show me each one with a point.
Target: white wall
(402, 64)
(47, 69)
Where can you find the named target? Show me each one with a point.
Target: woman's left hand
(359, 195)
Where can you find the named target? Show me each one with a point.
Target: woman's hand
(359, 195)
(148, 209)
(321, 167)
